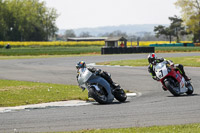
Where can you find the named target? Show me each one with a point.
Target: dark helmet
(81, 64)
(151, 58)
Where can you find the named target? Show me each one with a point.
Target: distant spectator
(8, 46)
(122, 44)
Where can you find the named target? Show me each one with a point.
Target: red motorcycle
(172, 80)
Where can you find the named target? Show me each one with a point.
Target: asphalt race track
(152, 105)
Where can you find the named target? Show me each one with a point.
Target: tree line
(26, 20)
(162, 33)
(176, 31)
(142, 36)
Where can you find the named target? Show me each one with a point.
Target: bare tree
(85, 34)
(69, 33)
(116, 33)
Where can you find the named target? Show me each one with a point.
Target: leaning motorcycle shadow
(112, 103)
(185, 95)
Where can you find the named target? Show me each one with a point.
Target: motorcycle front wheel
(99, 96)
(171, 87)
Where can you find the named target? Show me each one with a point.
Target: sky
(75, 14)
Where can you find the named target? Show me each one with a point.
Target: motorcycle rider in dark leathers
(153, 60)
(103, 74)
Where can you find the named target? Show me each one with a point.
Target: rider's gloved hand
(98, 71)
(171, 63)
(162, 59)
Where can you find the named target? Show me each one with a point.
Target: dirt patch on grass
(93, 53)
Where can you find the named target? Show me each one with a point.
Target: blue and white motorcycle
(98, 88)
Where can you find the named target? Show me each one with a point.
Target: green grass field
(74, 50)
(189, 128)
(193, 61)
(43, 56)
(51, 50)
(14, 93)
(177, 49)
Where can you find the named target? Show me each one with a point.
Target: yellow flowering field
(81, 43)
(54, 43)
(147, 43)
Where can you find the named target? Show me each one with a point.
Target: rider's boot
(115, 85)
(186, 78)
(164, 88)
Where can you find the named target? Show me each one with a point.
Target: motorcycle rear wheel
(171, 87)
(98, 96)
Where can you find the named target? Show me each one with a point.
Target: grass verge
(75, 50)
(189, 128)
(14, 93)
(192, 61)
(176, 49)
(59, 50)
(42, 56)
